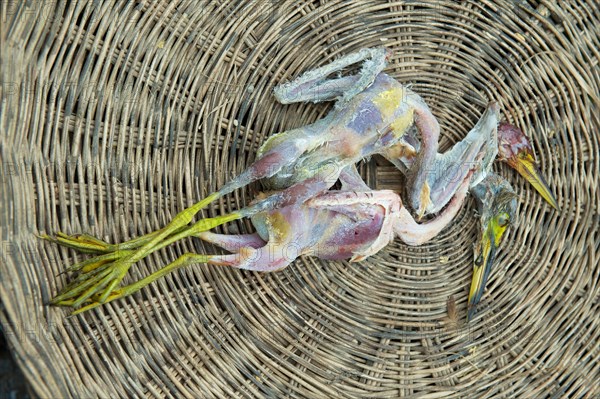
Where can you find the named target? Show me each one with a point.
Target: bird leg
(250, 252)
(101, 276)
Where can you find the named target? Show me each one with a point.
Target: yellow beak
(525, 164)
(484, 258)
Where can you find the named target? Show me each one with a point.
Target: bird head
(515, 149)
(497, 203)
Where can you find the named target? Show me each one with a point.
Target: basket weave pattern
(117, 115)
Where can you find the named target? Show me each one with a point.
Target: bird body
(300, 214)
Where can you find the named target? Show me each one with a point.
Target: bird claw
(98, 283)
(88, 244)
(95, 279)
(91, 303)
(81, 242)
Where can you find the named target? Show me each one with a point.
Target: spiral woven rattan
(116, 115)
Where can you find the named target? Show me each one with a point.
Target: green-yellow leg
(95, 262)
(81, 242)
(88, 244)
(121, 267)
(122, 292)
(82, 288)
(103, 274)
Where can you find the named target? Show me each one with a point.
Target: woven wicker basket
(118, 114)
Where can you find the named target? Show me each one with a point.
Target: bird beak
(484, 258)
(524, 163)
(515, 149)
